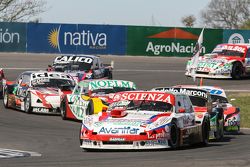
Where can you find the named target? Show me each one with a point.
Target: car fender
(98, 105)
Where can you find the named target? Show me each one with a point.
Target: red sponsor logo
(150, 96)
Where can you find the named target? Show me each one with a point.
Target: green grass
(241, 100)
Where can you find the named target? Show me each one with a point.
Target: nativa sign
(76, 38)
(159, 41)
(12, 37)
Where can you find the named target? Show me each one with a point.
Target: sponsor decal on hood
(47, 91)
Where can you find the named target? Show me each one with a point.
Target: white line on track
(9, 153)
(21, 68)
(236, 90)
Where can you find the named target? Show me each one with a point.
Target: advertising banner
(12, 37)
(169, 41)
(76, 39)
(236, 36)
(100, 39)
(49, 38)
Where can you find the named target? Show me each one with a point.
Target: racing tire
(205, 132)
(63, 109)
(27, 104)
(90, 108)
(110, 75)
(81, 140)
(237, 70)
(174, 141)
(220, 133)
(220, 124)
(6, 99)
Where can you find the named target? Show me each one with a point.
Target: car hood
(213, 62)
(130, 122)
(47, 91)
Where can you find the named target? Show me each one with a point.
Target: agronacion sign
(159, 41)
(72, 38)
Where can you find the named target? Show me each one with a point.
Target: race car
(82, 67)
(91, 96)
(231, 113)
(202, 102)
(2, 81)
(145, 120)
(225, 61)
(37, 91)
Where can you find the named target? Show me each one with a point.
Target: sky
(123, 12)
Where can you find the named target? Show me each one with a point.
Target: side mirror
(181, 110)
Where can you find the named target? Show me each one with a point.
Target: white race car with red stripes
(37, 91)
(145, 120)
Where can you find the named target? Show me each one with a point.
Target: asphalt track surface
(57, 140)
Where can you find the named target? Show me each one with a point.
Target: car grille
(118, 142)
(201, 72)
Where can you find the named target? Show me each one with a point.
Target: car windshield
(111, 90)
(69, 67)
(219, 99)
(142, 105)
(229, 53)
(52, 82)
(198, 101)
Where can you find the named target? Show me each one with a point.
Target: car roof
(213, 90)
(168, 97)
(42, 71)
(237, 44)
(155, 91)
(87, 82)
(189, 90)
(79, 55)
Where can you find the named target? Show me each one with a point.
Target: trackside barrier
(112, 39)
(13, 37)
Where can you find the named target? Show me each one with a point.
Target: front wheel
(6, 99)
(237, 70)
(90, 108)
(27, 104)
(205, 133)
(174, 138)
(63, 109)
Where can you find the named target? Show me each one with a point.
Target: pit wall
(112, 39)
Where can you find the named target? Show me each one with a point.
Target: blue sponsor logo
(214, 91)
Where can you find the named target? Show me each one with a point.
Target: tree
(20, 10)
(188, 21)
(245, 25)
(226, 13)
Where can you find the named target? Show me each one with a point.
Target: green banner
(12, 37)
(169, 41)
